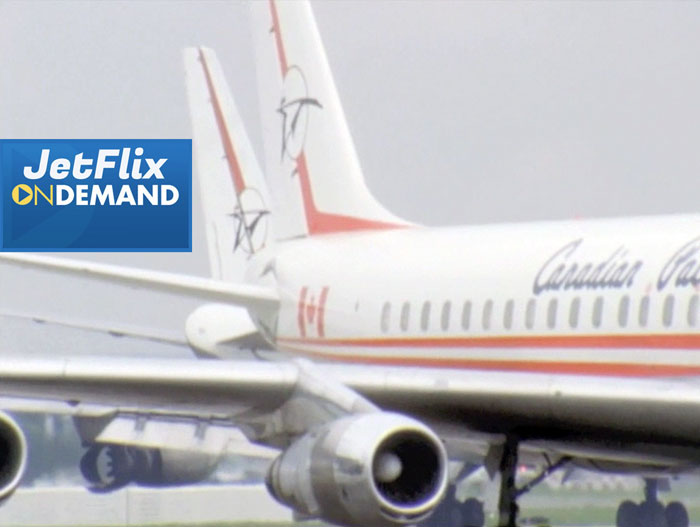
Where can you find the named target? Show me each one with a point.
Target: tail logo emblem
(250, 219)
(294, 109)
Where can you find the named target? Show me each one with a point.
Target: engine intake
(379, 469)
(13, 455)
(398, 478)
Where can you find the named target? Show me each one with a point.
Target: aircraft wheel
(652, 514)
(628, 514)
(676, 515)
(447, 514)
(473, 513)
(453, 513)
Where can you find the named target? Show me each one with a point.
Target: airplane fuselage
(598, 297)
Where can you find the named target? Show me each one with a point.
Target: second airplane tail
(233, 191)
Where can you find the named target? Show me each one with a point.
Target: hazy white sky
(462, 112)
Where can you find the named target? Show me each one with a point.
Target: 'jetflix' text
(115, 177)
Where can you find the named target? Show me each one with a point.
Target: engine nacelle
(109, 466)
(13, 455)
(369, 469)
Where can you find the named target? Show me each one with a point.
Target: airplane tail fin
(233, 191)
(311, 166)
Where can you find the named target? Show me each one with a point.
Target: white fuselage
(602, 297)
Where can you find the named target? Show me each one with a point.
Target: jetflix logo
(104, 195)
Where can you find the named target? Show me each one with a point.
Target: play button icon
(22, 194)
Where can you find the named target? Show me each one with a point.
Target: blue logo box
(96, 195)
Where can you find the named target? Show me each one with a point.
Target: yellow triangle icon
(26, 189)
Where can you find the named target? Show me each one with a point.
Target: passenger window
(574, 310)
(552, 313)
(530, 313)
(623, 311)
(486, 319)
(405, 312)
(598, 312)
(466, 314)
(644, 311)
(386, 314)
(425, 316)
(693, 310)
(445, 316)
(508, 315)
(668, 311)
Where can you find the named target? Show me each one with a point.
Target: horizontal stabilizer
(117, 330)
(204, 289)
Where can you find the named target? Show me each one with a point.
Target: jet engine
(380, 469)
(111, 466)
(13, 455)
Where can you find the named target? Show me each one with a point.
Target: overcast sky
(461, 112)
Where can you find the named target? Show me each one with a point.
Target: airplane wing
(366, 421)
(616, 423)
(598, 412)
(207, 389)
(204, 289)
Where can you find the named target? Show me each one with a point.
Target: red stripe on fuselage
(651, 341)
(234, 167)
(690, 342)
(603, 369)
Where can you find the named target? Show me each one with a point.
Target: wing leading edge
(247, 295)
(617, 411)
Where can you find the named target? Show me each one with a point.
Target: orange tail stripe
(318, 222)
(233, 165)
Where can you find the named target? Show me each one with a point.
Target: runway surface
(250, 506)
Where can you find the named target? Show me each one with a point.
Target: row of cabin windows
(624, 313)
(424, 316)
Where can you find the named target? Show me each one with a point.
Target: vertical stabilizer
(311, 165)
(232, 188)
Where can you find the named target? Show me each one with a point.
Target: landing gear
(627, 514)
(651, 512)
(677, 515)
(454, 513)
(473, 513)
(508, 492)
